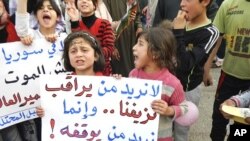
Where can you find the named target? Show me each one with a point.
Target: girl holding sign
(82, 55)
(154, 55)
(48, 15)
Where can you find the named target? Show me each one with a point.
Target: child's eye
(140, 44)
(72, 51)
(50, 8)
(84, 50)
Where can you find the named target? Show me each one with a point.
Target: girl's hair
(161, 46)
(30, 5)
(39, 5)
(94, 2)
(98, 65)
(167, 24)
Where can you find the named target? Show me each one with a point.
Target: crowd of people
(174, 41)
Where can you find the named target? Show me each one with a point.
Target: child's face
(2, 8)
(3, 14)
(140, 51)
(47, 16)
(86, 7)
(193, 8)
(82, 56)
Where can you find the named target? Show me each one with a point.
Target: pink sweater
(172, 93)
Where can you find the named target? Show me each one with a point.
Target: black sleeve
(191, 55)
(158, 11)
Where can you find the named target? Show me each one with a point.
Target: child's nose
(79, 53)
(183, 2)
(134, 47)
(46, 9)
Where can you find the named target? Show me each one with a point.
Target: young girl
(47, 13)
(82, 55)
(100, 28)
(154, 53)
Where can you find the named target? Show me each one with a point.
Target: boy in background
(232, 20)
(196, 37)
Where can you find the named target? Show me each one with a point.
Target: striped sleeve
(213, 38)
(106, 38)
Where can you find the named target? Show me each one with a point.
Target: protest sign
(21, 67)
(98, 108)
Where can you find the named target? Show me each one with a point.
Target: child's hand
(161, 107)
(228, 102)
(27, 40)
(144, 10)
(116, 54)
(40, 111)
(207, 77)
(180, 20)
(51, 38)
(72, 11)
(247, 120)
(132, 16)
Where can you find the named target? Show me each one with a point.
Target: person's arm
(207, 77)
(74, 16)
(108, 39)
(242, 100)
(22, 23)
(22, 18)
(175, 106)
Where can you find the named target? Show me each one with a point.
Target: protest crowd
(176, 42)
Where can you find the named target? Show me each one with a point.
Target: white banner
(98, 108)
(20, 69)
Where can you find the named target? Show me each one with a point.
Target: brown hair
(98, 65)
(161, 45)
(55, 7)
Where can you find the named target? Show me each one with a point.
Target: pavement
(200, 131)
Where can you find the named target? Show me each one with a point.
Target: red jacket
(11, 31)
